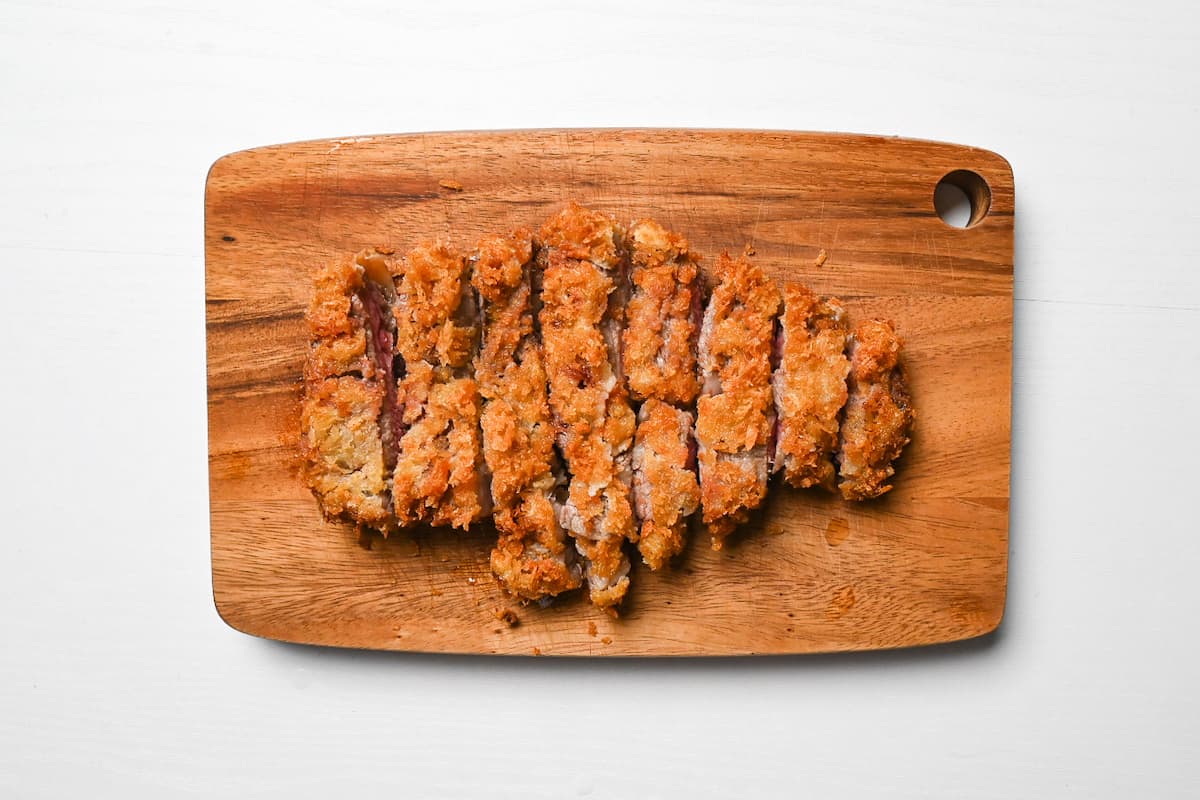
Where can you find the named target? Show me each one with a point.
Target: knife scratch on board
(337, 144)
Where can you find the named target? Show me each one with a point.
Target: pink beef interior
(381, 328)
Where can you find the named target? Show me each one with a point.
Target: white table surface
(117, 678)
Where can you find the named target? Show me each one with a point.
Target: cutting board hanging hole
(962, 198)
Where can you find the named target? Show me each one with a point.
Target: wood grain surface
(926, 563)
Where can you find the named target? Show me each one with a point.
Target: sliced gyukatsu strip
(350, 418)
(810, 387)
(533, 558)
(735, 416)
(440, 476)
(879, 413)
(664, 480)
(662, 321)
(659, 357)
(581, 262)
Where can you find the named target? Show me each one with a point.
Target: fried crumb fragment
(507, 616)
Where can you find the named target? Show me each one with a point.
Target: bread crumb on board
(507, 616)
(820, 259)
(591, 629)
(453, 186)
(606, 640)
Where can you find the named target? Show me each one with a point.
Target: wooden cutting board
(926, 563)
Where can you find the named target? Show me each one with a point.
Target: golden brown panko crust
(574, 299)
(660, 333)
(583, 234)
(665, 486)
(437, 478)
(742, 309)
(579, 257)
(879, 413)
(532, 558)
(732, 488)
(518, 435)
(735, 421)
(337, 331)
(343, 452)
(429, 295)
(345, 398)
(735, 417)
(810, 387)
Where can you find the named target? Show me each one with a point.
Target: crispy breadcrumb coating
(582, 234)
(879, 413)
(532, 558)
(810, 387)
(735, 414)
(349, 417)
(435, 315)
(664, 480)
(336, 324)
(343, 451)
(662, 324)
(659, 360)
(581, 262)
(440, 475)
(437, 477)
(340, 316)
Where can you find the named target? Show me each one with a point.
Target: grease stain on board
(836, 531)
(840, 604)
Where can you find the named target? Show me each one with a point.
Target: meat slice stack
(441, 389)
(659, 358)
(532, 557)
(582, 264)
